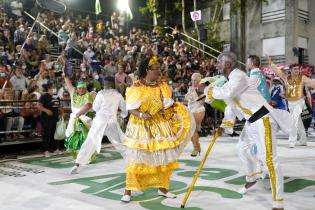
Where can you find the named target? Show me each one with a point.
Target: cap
(81, 84)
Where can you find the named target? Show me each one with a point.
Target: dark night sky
(108, 6)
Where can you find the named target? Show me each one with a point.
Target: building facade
(281, 29)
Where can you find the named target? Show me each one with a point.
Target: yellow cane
(192, 185)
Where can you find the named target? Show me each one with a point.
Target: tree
(151, 8)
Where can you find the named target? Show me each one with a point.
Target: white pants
(296, 108)
(262, 133)
(228, 120)
(93, 141)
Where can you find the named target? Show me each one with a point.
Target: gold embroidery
(227, 123)
(139, 177)
(294, 88)
(161, 132)
(245, 110)
(209, 94)
(254, 174)
(269, 158)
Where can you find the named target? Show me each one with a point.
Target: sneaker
(245, 190)
(166, 195)
(126, 198)
(291, 145)
(46, 154)
(74, 170)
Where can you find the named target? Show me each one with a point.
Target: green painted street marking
(297, 184)
(237, 181)
(210, 173)
(66, 161)
(150, 200)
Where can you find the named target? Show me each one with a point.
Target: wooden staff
(192, 185)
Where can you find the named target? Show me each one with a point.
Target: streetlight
(123, 6)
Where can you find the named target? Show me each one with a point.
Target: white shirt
(107, 102)
(241, 93)
(19, 83)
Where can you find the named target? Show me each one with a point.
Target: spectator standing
(48, 117)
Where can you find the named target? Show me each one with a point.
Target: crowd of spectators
(90, 51)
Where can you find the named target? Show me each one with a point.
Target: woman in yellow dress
(156, 134)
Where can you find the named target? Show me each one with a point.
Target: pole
(192, 185)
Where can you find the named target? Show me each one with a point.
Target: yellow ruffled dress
(154, 145)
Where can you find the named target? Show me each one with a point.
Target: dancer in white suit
(106, 105)
(241, 93)
(294, 86)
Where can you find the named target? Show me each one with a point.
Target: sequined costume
(245, 100)
(296, 103)
(154, 145)
(77, 128)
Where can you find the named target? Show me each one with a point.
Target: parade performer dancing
(242, 95)
(106, 105)
(80, 118)
(156, 134)
(294, 86)
(196, 106)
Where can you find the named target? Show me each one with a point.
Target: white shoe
(291, 145)
(126, 198)
(245, 190)
(166, 195)
(74, 170)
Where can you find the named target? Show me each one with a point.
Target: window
(226, 11)
(273, 10)
(303, 11)
(274, 46)
(302, 52)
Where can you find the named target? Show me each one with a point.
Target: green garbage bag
(76, 139)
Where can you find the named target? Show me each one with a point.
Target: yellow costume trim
(179, 122)
(227, 123)
(209, 94)
(245, 110)
(140, 168)
(165, 90)
(153, 60)
(269, 158)
(254, 174)
(151, 177)
(294, 88)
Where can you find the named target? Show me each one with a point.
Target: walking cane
(192, 185)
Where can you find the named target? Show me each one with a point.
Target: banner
(98, 8)
(195, 15)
